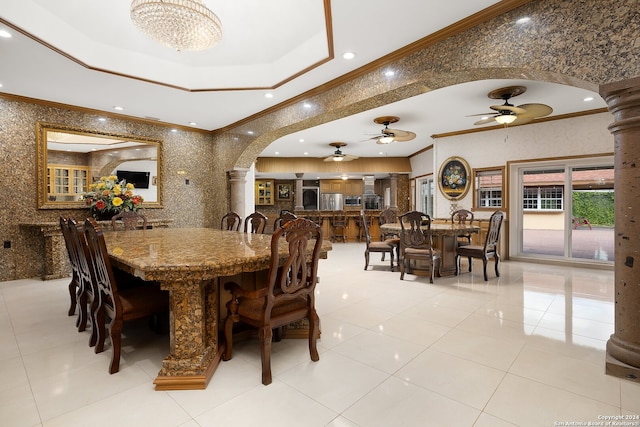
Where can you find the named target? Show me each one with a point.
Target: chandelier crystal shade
(183, 25)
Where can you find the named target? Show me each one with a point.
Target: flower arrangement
(454, 177)
(108, 197)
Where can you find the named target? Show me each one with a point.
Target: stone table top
(177, 254)
(436, 228)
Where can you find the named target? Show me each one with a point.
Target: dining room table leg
(194, 352)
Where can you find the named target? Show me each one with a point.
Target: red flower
(100, 204)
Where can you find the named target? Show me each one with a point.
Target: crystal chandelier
(179, 24)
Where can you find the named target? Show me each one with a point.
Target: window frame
(477, 200)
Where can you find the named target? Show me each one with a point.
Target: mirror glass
(70, 159)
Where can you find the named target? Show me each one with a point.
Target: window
(542, 198)
(488, 188)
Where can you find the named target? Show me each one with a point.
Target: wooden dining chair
(128, 220)
(286, 295)
(86, 293)
(284, 217)
(73, 261)
(463, 217)
(485, 251)
(384, 247)
(118, 305)
(230, 221)
(416, 243)
(255, 223)
(389, 216)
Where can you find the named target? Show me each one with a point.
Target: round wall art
(454, 178)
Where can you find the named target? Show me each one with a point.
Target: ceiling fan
(508, 114)
(338, 155)
(387, 136)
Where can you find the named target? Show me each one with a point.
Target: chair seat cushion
(143, 300)
(253, 308)
(473, 250)
(421, 253)
(380, 246)
(394, 241)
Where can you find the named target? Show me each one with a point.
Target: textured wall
(196, 204)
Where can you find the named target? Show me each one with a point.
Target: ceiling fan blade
(485, 121)
(483, 114)
(349, 157)
(511, 108)
(402, 135)
(536, 110)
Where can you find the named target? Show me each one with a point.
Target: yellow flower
(130, 186)
(128, 193)
(113, 178)
(116, 189)
(100, 185)
(117, 201)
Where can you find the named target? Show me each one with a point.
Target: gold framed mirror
(69, 159)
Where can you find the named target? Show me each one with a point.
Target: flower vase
(102, 215)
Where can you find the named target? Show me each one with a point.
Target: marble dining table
(188, 262)
(445, 238)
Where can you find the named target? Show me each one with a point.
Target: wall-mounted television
(138, 179)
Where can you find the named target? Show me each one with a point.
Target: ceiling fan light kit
(506, 118)
(338, 155)
(387, 136)
(506, 113)
(183, 25)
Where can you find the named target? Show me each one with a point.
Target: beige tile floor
(526, 349)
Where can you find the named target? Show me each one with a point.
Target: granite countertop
(178, 254)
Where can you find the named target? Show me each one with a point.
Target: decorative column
(238, 181)
(623, 347)
(393, 200)
(299, 206)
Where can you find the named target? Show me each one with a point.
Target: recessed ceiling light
(0, 84)
(118, 108)
(305, 153)
(389, 73)
(277, 152)
(174, 130)
(102, 119)
(523, 20)
(306, 105)
(268, 95)
(6, 34)
(193, 123)
(588, 98)
(249, 132)
(349, 55)
(301, 140)
(381, 153)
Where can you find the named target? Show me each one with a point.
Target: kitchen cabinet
(349, 187)
(67, 183)
(264, 192)
(353, 187)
